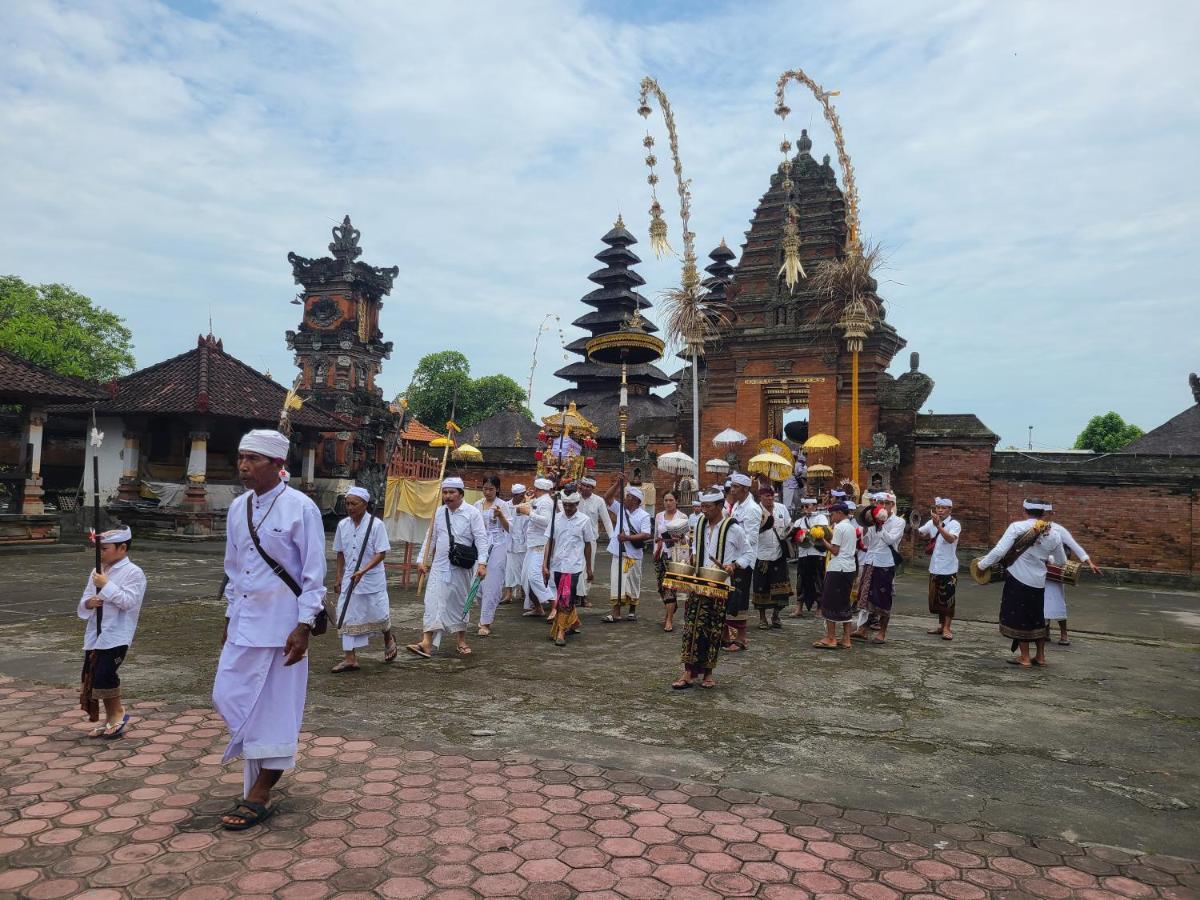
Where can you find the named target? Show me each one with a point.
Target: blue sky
(1028, 167)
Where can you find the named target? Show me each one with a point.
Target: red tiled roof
(23, 382)
(417, 433)
(209, 381)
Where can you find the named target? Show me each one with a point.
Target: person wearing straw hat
(810, 558)
(460, 545)
(943, 531)
(514, 565)
(361, 543)
(497, 515)
(539, 512)
(593, 506)
(717, 542)
(275, 566)
(630, 536)
(117, 589)
(1023, 600)
(565, 564)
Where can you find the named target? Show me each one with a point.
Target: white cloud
(1025, 164)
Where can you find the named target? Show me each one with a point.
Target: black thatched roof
(508, 428)
(952, 426)
(1179, 436)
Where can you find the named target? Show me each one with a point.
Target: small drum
(1064, 574)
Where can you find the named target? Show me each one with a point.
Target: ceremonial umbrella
(677, 463)
(822, 442)
(774, 466)
(730, 438)
(717, 467)
(771, 445)
(442, 442)
(469, 453)
(820, 471)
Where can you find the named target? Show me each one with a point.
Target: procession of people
(734, 551)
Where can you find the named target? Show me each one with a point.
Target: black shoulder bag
(463, 556)
(321, 622)
(362, 551)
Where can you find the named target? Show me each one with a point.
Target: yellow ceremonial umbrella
(774, 466)
(821, 442)
(772, 445)
(442, 442)
(468, 452)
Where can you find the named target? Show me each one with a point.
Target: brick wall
(960, 473)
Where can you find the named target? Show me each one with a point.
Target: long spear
(97, 438)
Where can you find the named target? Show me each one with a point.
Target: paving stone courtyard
(919, 769)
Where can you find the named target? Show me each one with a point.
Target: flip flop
(1017, 662)
(118, 731)
(530, 613)
(98, 731)
(483, 631)
(668, 630)
(1040, 665)
(1064, 643)
(260, 814)
(463, 651)
(390, 652)
(681, 685)
(708, 685)
(344, 667)
(418, 650)
(609, 620)
(876, 641)
(947, 637)
(821, 645)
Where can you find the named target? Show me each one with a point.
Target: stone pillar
(309, 468)
(130, 486)
(31, 499)
(195, 498)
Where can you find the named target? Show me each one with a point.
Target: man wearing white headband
(455, 547)
(111, 603)
(361, 544)
(810, 557)
(275, 566)
(942, 531)
(539, 511)
(564, 563)
(593, 506)
(747, 513)
(514, 565)
(1024, 548)
(877, 576)
(631, 534)
(497, 516)
(1056, 591)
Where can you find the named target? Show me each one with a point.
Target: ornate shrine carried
(565, 440)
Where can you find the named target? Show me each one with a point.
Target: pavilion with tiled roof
(181, 421)
(24, 519)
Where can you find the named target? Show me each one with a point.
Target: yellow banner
(417, 498)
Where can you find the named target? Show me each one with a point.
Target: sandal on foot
(111, 731)
(631, 617)
(947, 637)
(609, 620)
(708, 684)
(764, 626)
(259, 814)
(1040, 665)
(821, 645)
(483, 631)
(464, 650)
(390, 652)
(1012, 661)
(1064, 643)
(530, 613)
(344, 667)
(681, 685)
(877, 641)
(419, 651)
(98, 731)
(560, 642)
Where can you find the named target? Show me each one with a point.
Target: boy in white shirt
(836, 607)
(110, 605)
(943, 532)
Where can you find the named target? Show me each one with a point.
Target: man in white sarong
(593, 506)
(361, 544)
(448, 584)
(631, 533)
(275, 565)
(539, 512)
(514, 566)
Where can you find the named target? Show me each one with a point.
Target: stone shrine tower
(339, 350)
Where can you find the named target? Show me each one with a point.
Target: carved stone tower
(340, 349)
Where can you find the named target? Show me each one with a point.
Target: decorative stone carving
(880, 460)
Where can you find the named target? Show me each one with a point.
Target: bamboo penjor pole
(427, 555)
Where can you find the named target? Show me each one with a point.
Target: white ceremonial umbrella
(717, 467)
(677, 463)
(730, 438)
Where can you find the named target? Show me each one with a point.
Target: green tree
(1107, 434)
(442, 382)
(59, 328)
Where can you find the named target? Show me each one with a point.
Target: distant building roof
(417, 433)
(952, 426)
(209, 381)
(507, 428)
(1177, 436)
(23, 382)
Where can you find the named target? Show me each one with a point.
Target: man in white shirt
(568, 562)
(361, 544)
(630, 536)
(810, 559)
(275, 566)
(836, 607)
(877, 579)
(718, 542)
(514, 567)
(593, 506)
(1024, 548)
(772, 585)
(539, 512)
(114, 595)
(746, 512)
(1056, 591)
(942, 530)
(446, 591)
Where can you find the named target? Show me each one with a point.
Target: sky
(1029, 168)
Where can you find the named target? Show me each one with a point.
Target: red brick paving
(366, 817)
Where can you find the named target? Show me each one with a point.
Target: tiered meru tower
(340, 349)
(783, 351)
(597, 386)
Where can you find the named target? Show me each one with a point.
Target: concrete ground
(1096, 749)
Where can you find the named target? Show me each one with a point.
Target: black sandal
(260, 814)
